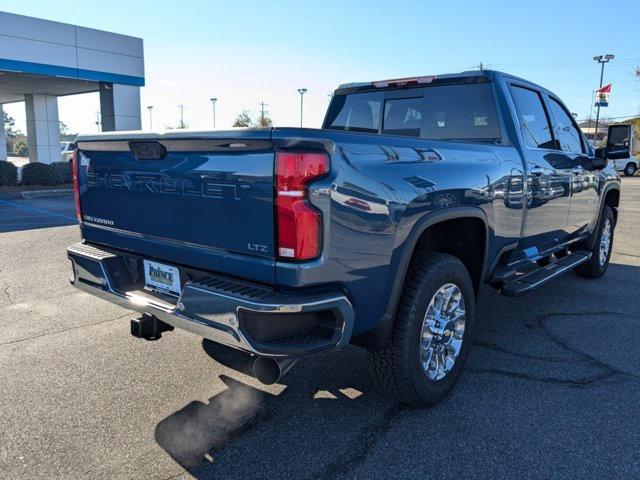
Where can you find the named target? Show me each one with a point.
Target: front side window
(358, 112)
(533, 118)
(403, 116)
(567, 133)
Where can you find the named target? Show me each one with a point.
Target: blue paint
(37, 210)
(69, 72)
(209, 205)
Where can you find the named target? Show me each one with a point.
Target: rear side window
(533, 118)
(359, 112)
(461, 112)
(403, 116)
(567, 133)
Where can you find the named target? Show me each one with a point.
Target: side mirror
(596, 163)
(618, 141)
(617, 152)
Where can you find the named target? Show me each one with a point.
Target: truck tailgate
(206, 203)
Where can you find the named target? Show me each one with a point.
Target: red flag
(605, 89)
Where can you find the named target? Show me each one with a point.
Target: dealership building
(42, 60)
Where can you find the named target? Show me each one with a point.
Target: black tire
(630, 170)
(397, 369)
(594, 268)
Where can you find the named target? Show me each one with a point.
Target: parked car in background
(376, 230)
(622, 136)
(66, 151)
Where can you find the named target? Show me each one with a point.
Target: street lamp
(150, 108)
(213, 104)
(601, 59)
(301, 91)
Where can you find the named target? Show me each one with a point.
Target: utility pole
(593, 100)
(301, 91)
(213, 104)
(601, 59)
(181, 107)
(150, 108)
(262, 105)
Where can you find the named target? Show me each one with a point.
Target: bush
(63, 169)
(8, 173)
(21, 149)
(40, 174)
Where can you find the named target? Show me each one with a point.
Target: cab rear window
(445, 112)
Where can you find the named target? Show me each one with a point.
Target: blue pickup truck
(376, 230)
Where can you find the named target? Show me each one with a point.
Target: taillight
(299, 223)
(76, 184)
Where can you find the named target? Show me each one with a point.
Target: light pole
(301, 91)
(182, 107)
(150, 108)
(601, 59)
(213, 104)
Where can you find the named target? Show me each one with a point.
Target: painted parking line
(37, 210)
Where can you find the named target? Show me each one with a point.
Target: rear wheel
(630, 170)
(601, 250)
(431, 334)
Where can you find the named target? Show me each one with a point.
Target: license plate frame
(162, 277)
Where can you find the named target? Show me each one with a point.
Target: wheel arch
(430, 222)
(610, 197)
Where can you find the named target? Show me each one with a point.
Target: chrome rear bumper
(215, 307)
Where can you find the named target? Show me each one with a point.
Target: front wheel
(630, 170)
(601, 250)
(431, 334)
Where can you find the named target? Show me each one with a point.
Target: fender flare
(377, 338)
(608, 188)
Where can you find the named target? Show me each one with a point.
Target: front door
(572, 152)
(549, 177)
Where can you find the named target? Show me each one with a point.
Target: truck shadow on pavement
(20, 215)
(315, 408)
(327, 417)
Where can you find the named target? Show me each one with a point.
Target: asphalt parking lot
(551, 389)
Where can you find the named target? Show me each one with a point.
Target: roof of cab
(428, 79)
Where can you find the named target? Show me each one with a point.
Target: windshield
(446, 112)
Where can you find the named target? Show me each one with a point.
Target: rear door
(549, 175)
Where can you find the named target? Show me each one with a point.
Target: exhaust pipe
(269, 370)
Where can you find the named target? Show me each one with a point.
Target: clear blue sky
(247, 51)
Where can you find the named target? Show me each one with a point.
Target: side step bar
(535, 279)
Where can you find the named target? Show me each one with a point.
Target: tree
(243, 120)
(264, 121)
(10, 125)
(21, 149)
